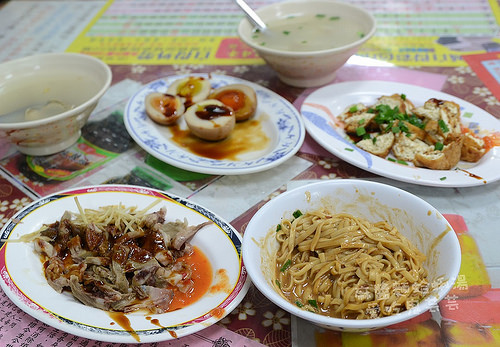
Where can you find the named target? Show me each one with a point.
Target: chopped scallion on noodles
(346, 267)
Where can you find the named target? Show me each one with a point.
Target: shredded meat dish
(117, 258)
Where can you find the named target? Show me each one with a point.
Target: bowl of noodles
(351, 255)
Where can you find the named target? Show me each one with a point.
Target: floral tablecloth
(469, 318)
(255, 318)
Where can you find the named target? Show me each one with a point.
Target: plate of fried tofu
(406, 132)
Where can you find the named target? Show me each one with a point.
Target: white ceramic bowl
(309, 68)
(421, 223)
(76, 80)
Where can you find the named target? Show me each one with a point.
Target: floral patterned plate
(280, 124)
(321, 108)
(23, 281)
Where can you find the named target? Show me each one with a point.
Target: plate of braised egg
(214, 124)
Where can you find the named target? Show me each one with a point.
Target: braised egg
(240, 97)
(210, 120)
(193, 89)
(164, 108)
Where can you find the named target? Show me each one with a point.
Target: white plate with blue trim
(22, 278)
(321, 108)
(279, 119)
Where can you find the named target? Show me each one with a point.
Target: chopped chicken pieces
(124, 264)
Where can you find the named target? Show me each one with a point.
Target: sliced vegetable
(286, 265)
(414, 120)
(297, 213)
(360, 131)
(313, 303)
(442, 125)
(278, 283)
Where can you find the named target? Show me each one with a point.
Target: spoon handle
(251, 15)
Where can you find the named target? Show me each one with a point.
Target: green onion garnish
(360, 131)
(286, 265)
(438, 146)
(297, 214)
(443, 126)
(313, 303)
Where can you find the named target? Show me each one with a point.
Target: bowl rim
(339, 323)
(78, 109)
(310, 3)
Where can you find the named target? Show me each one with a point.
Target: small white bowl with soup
(46, 99)
(306, 42)
(351, 255)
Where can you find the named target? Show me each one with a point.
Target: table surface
(440, 45)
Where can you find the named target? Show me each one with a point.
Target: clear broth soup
(310, 33)
(50, 94)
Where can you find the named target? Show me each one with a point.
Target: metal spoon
(251, 15)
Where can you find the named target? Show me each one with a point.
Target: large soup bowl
(316, 67)
(418, 221)
(74, 80)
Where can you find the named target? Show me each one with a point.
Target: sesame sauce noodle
(342, 266)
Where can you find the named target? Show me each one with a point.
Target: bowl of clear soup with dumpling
(46, 99)
(306, 42)
(351, 255)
